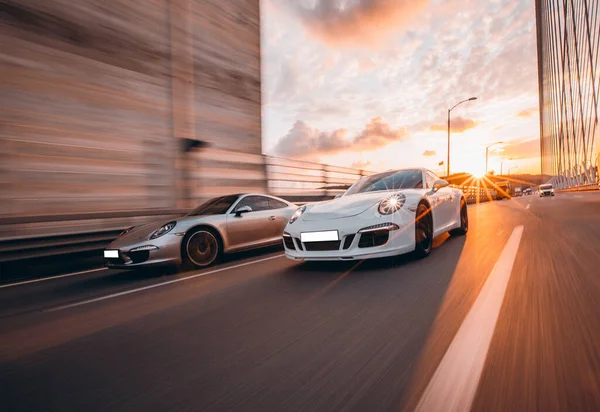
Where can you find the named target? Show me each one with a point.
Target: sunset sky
(368, 83)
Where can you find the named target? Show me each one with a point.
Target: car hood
(346, 206)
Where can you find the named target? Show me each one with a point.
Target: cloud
(458, 125)
(528, 112)
(345, 23)
(378, 134)
(522, 149)
(429, 153)
(366, 64)
(302, 140)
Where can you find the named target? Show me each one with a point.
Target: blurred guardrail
(581, 188)
(477, 194)
(300, 181)
(26, 237)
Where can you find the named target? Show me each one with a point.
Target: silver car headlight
(163, 230)
(391, 204)
(297, 214)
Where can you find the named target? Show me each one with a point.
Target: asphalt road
(504, 319)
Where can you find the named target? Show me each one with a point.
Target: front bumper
(546, 193)
(352, 245)
(164, 252)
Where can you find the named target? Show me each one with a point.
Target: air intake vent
(348, 241)
(373, 239)
(288, 242)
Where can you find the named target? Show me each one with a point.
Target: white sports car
(381, 215)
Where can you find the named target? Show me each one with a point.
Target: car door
(280, 214)
(440, 202)
(253, 227)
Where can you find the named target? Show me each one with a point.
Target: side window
(276, 204)
(256, 203)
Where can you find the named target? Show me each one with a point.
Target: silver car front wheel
(202, 248)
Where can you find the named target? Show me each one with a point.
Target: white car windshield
(546, 187)
(394, 180)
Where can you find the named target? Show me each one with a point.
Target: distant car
(518, 192)
(546, 190)
(527, 192)
(198, 239)
(385, 214)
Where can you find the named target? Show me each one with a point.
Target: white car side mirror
(438, 184)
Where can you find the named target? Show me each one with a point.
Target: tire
(464, 221)
(201, 248)
(423, 232)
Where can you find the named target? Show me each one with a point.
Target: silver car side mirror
(338, 195)
(242, 210)
(438, 184)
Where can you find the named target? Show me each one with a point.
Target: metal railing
(300, 181)
(477, 194)
(581, 188)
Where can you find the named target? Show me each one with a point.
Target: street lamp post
(449, 110)
(501, 162)
(486, 155)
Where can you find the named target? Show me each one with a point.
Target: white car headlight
(297, 214)
(391, 204)
(163, 230)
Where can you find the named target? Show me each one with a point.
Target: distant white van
(546, 190)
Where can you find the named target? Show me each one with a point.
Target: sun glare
(477, 172)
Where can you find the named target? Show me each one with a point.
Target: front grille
(322, 246)
(373, 239)
(348, 241)
(288, 243)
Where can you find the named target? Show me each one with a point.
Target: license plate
(328, 236)
(111, 254)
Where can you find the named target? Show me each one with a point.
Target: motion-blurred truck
(504, 190)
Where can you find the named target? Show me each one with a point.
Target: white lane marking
(577, 196)
(455, 381)
(52, 277)
(527, 207)
(128, 292)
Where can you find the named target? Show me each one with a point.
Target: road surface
(504, 319)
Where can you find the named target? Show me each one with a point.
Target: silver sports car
(222, 225)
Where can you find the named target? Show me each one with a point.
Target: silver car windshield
(394, 180)
(216, 206)
(546, 187)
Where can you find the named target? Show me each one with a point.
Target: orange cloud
(528, 112)
(303, 140)
(522, 149)
(362, 22)
(458, 124)
(429, 153)
(366, 64)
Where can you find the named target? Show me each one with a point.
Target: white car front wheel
(423, 231)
